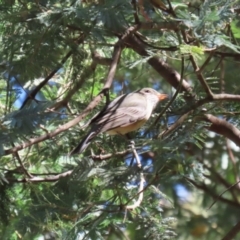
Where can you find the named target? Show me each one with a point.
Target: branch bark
(35, 179)
(233, 232)
(141, 182)
(200, 77)
(222, 127)
(166, 71)
(226, 97)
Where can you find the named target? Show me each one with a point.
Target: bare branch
(219, 126)
(101, 60)
(142, 11)
(174, 96)
(207, 60)
(140, 194)
(88, 71)
(21, 164)
(142, 180)
(225, 96)
(223, 127)
(178, 123)
(233, 232)
(233, 185)
(166, 71)
(136, 155)
(204, 187)
(134, 4)
(225, 54)
(200, 76)
(33, 179)
(109, 155)
(113, 67)
(234, 162)
(166, 26)
(214, 176)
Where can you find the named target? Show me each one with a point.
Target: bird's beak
(162, 96)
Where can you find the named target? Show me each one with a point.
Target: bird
(124, 114)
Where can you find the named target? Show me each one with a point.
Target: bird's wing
(84, 143)
(123, 101)
(121, 117)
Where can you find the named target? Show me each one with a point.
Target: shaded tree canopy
(61, 62)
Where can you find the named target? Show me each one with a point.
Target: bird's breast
(126, 129)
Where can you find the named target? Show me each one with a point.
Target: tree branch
(233, 232)
(178, 123)
(21, 165)
(42, 179)
(166, 71)
(169, 26)
(110, 155)
(214, 176)
(203, 187)
(174, 96)
(200, 77)
(226, 190)
(142, 180)
(222, 127)
(234, 162)
(226, 96)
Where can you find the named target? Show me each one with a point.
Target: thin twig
(136, 155)
(135, 14)
(233, 160)
(42, 179)
(142, 11)
(207, 61)
(233, 185)
(22, 166)
(200, 76)
(203, 187)
(142, 180)
(222, 74)
(219, 179)
(174, 96)
(233, 232)
(178, 123)
(109, 155)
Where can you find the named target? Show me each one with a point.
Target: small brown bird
(124, 114)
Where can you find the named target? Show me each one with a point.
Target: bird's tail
(84, 143)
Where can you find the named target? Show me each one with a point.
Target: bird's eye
(147, 91)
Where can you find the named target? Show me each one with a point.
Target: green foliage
(196, 52)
